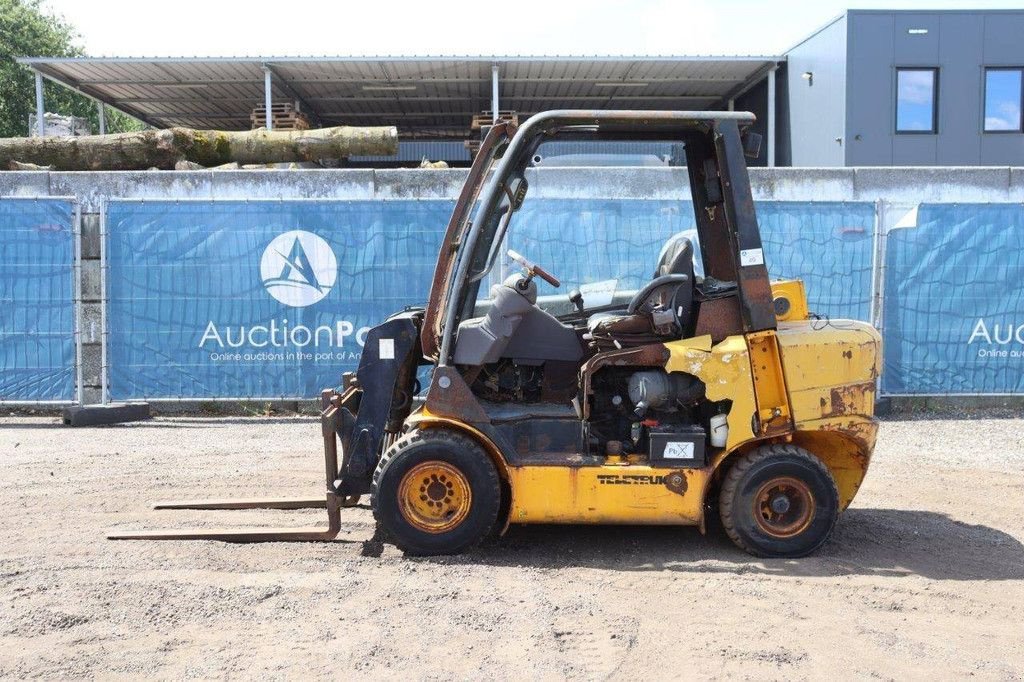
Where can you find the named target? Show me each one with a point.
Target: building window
(1003, 100)
(916, 97)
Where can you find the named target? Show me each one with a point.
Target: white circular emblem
(298, 268)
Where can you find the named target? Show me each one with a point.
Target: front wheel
(779, 501)
(436, 492)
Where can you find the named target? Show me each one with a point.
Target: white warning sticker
(678, 449)
(386, 349)
(751, 257)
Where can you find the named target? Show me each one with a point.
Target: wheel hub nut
(780, 504)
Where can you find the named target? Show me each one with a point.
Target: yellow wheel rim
(434, 497)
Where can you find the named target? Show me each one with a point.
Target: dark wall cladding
(960, 45)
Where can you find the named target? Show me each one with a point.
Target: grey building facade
(905, 88)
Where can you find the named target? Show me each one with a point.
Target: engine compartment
(516, 353)
(632, 407)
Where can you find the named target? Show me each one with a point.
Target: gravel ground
(924, 576)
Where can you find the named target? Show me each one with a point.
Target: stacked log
(164, 149)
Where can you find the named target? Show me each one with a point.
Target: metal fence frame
(76, 293)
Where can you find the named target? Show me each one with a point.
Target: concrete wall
(960, 44)
(998, 184)
(815, 115)
(897, 186)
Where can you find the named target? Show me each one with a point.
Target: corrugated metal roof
(423, 96)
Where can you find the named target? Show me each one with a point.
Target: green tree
(26, 30)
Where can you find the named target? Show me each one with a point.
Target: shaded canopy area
(426, 97)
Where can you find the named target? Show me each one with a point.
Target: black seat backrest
(676, 258)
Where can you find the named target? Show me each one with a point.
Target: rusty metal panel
(774, 416)
(831, 370)
(719, 318)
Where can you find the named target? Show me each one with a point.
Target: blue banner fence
(40, 301)
(217, 299)
(256, 299)
(235, 299)
(953, 302)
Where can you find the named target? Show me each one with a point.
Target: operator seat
(676, 257)
(661, 310)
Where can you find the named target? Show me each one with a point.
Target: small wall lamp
(808, 76)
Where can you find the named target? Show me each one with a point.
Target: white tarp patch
(909, 219)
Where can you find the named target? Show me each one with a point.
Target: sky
(224, 28)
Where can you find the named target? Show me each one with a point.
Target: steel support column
(40, 108)
(283, 85)
(494, 93)
(268, 97)
(770, 131)
(101, 111)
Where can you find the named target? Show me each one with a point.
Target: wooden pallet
(482, 120)
(283, 116)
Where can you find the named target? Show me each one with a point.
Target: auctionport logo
(298, 268)
(1002, 339)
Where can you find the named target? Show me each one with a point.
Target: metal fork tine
(230, 535)
(250, 503)
(332, 503)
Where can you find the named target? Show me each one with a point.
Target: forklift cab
(476, 253)
(506, 325)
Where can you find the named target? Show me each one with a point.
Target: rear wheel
(436, 492)
(779, 501)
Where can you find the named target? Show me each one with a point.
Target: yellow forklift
(707, 387)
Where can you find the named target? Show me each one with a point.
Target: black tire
(452, 450)
(798, 507)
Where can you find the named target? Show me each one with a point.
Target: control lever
(576, 298)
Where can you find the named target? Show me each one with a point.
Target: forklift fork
(331, 420)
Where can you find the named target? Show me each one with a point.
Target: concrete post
(770, 132)
(40, 108)
(494, 94)
(101, 111)
(268, 97)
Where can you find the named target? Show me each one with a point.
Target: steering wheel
(534, 269)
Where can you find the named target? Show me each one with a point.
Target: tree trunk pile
(206, 148)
